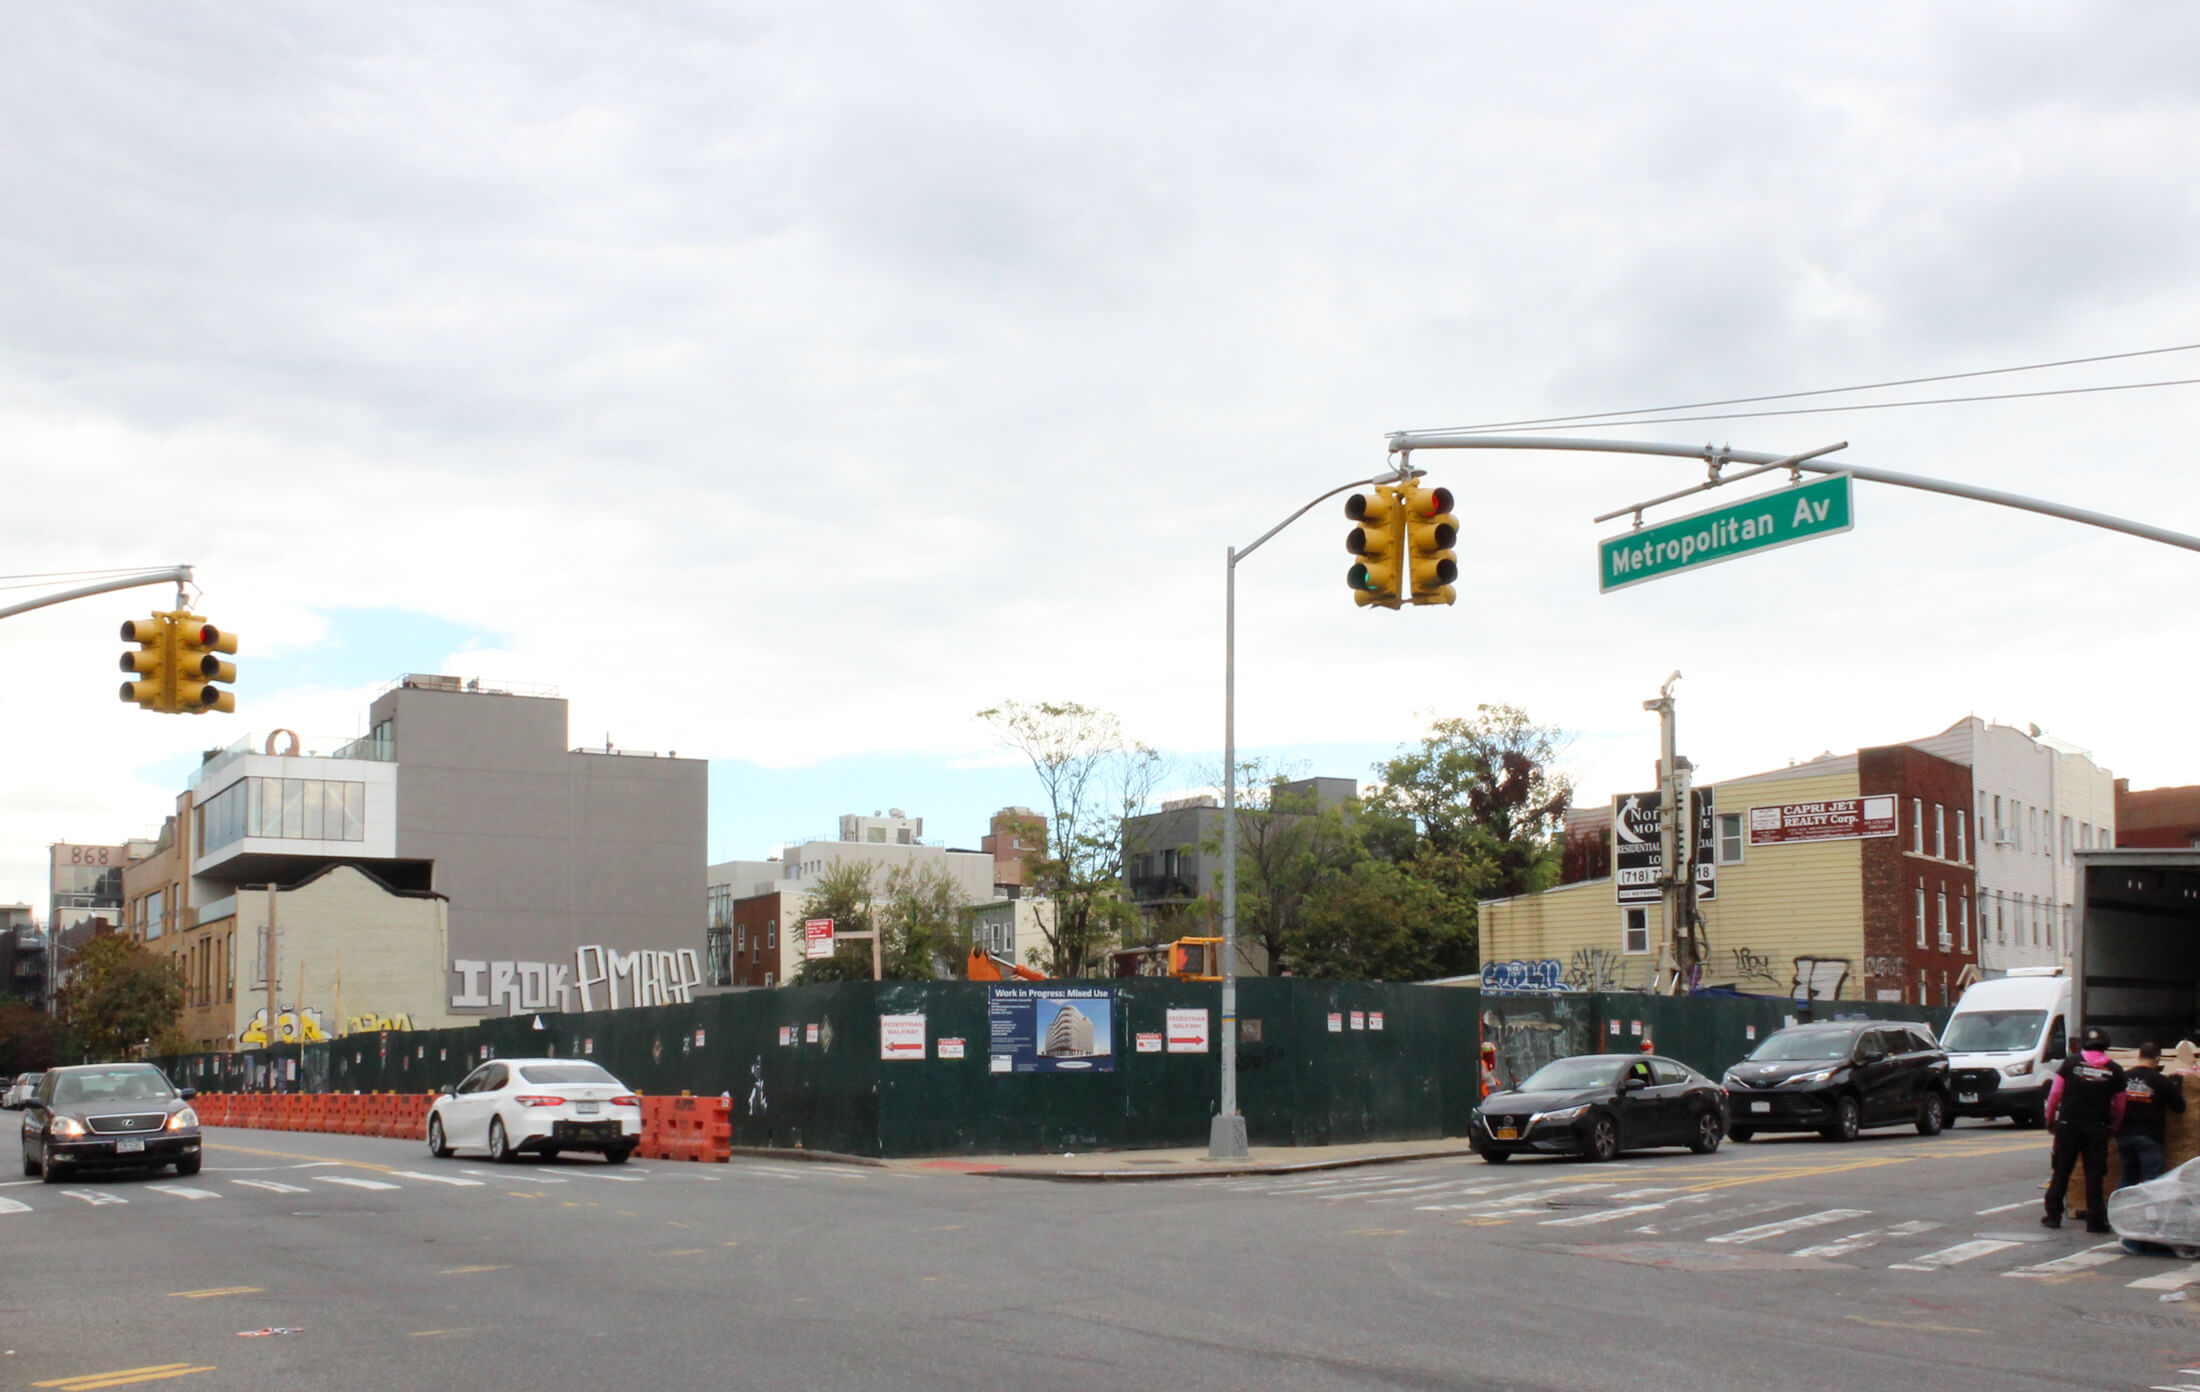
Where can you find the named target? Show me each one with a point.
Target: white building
(2038, 801)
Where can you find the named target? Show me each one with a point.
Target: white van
(2004, 1042)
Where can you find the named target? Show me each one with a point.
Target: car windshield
(1992, 1031)
(1799, 1045)
(1572, 1074)
(553, 1073)
(115, 1085)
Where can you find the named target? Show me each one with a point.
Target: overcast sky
(784, 385)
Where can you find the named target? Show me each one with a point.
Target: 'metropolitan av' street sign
(1806, 511)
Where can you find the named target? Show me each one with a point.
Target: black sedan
(1597, 1105)
(108, 1116)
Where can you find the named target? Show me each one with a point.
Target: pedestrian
(1489, 1068)
(2149, 1098)
(2085, 1105)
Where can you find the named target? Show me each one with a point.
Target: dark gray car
(1841, 1077)
(108, 1116)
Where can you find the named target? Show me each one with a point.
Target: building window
(1637, 931)
(1730, 838)
(1963, 923)
(1945, 941)
(2066, 840)
(1917, 826)
(2001, 923)
(1940, 830)
(2035, 920)
(2066, 927)
(1920, 913)
(149, 906)
(875, 835)
(1963, 849)
(1997, 819)
(767, 978)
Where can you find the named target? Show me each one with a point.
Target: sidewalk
(1189, 1162)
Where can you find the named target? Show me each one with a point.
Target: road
(1895, 1262)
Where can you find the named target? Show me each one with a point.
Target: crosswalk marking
(1788, 1225)
(354, 1182)
(95, 1197)
(1954, 1256)
(532, 1176)
(11, 1206)
(183, 1191)
(2004, 1208)
(2077, 1261)
(1610, 1215)
(1857, 1242)
(2168, 1280)
(272, 1186)
(438, 1179)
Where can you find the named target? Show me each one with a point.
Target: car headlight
(1823, 1075)
(2017, 1070)
(183, 1120)
(1562, 1114)
(67, 1126)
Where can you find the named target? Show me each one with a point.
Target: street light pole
(1226, 1135)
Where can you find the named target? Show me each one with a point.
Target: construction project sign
(1051, 1029)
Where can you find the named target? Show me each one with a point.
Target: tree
(1287, 843)
(1483, 801)
(1094, 780)
(917, 908)
(1379, 921)
(119, 997)
(31, 1041)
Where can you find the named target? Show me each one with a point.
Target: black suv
(1840, 1077)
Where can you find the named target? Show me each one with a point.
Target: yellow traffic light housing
(1379, 543)
(1431, 533)
(198, 666)
(154, 663)
(1196, 959)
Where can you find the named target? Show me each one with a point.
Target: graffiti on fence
(1529, 1036)
(1752, 965)
(371, 1023)
(292, 1026)
(1819, 978)
(1523, 976)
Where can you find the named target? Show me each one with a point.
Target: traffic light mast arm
(1404, 442)
(181, 575)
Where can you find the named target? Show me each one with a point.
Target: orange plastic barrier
(687, 1128)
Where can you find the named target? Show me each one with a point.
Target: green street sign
(1801, 513)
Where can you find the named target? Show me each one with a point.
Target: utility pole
(274, 1079)
(1676, 838)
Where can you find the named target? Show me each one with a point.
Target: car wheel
(1741, 1133)
(500, 1145)
(50, 1172)
(1708, 1132)
(188, 1166)
(1932, 1115)
(30, 1166)
(1602, 1141)
(437, 1146)
(618, 1155)
(1495, 1157)
(1848, 1119)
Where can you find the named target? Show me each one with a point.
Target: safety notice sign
(817, 938)
(901, 1036)
(1188, 1031)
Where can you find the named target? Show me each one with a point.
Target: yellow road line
(1798, 1172)
(217, 1290)
(683, 1252)
(84, 1382)
(290, 1155)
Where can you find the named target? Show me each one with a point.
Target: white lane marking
(1390, 1186)
(272, 1186)
(1685, 1222)
(438, 1178)
(1857, 1242)
(95, 1197)
(619, 1178)
(355, 1183)
(2168, 1280)
(1788, 1225)
(11, 1206)
(774, 1173)
(1954, 1256)
(183, 1191)
(18, 1183)
(2004, 1208)
(1645, 1193)
(2077, 1261)
(1583, 1220)
(531, 1176)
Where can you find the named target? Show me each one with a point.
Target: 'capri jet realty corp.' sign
(1782, 518)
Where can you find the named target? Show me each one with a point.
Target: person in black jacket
(2085, 1104)
(2149, 1098)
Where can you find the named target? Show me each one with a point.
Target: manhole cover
(2135, 1321)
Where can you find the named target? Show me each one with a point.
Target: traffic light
(154, 663)
(198, 666)
(1378, 542)
(1431, 532)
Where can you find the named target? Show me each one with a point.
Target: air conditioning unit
(2006, 838)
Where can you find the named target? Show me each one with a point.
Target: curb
(831, 1157)
(1213, 1171)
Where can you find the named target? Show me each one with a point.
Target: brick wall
(1923, 855)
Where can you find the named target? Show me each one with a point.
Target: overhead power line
(1587, 417)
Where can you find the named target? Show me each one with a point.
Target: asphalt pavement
(1895, 1262)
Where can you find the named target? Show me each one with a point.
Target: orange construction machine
(984, 966)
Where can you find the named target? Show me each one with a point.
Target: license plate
(1760, 1106)
(1966, 1097)
(1508, 1133)
(128, 1147)
(588, 1108)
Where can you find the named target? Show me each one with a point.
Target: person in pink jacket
(2085, 1105)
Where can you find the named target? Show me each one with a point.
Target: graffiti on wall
(1544, 975)
(371, 1023)
(1885, 966)
(600, 978)
(1602, 969)
(292, 1026)
(1819, 978)
(1751, 965)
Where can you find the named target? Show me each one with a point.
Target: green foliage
(1288, 846)
(119, 997)
(1483, 796)
(31, 1041)
(1381, 921)
(918, 910)
(1093, 779)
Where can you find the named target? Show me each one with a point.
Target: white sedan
(508, 1106)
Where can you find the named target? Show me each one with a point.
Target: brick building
(1920, 885)
(2157, 818)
